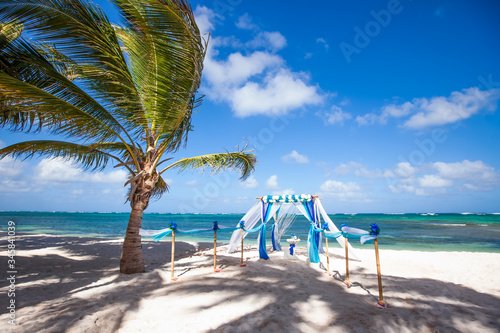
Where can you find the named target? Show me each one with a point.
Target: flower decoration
(216, 226)
(173, 226)
(325, 226)
(242, 224)
(374, 229)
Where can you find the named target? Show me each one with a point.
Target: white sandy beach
(72, 284)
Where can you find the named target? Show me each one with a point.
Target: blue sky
(377, 106)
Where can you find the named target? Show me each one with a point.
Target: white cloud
(357, 169)
(15, 185)
(434, 181)
(226, 76)
(272, 183)
(404, 170)
(403, 185)
(334, 116)
(438, 110)
(10, 167)
(58, 170)
(249, 183)
(13, 176)
(426, 179)
(273, 41)
(117, 176)
(460, 176)
(466, 170)
(258, 82)
(459, 106)
(205, 19)
(278, 94)
(295, 157)
(475, 175)
(388, 111)
(349, 191)
(245, 22)
(192, 183)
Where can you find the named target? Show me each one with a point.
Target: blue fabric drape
(159, 237)
(334, 235)
(309, 206)
(262, 243)
(313, 246)
(266, 210)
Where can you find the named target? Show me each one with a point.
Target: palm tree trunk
(131, 260)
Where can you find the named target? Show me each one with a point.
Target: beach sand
(73, 284)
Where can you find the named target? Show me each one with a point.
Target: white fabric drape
(364, 235)
(274, 208)
(251, 218)
(333, 228)
(144, 232)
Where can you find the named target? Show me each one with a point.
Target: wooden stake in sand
(327, 258)
(381, 303)
(174, 278)
(215, 251)
(325, 227)
(346, 282)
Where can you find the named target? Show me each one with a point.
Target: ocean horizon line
(239, 213)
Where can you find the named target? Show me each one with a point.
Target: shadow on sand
(56, 285)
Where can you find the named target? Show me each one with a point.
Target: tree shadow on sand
(420, 305)
(59, 282)
(286, 299)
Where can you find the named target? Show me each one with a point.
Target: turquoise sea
(424, 232)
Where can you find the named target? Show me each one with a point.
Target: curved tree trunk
(131, 260)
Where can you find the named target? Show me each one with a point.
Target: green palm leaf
(83, 33)
(244, 161)
(166, 59)
(87, 156)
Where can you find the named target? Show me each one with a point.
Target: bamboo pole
(327, 253)
(215, 252)
(174, 278)
(381, 302)
(327, 258)
(314, 196)
(242, 264)
(347, 262)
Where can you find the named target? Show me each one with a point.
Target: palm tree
(115, 93)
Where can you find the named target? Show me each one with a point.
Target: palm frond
(47, 69)
(88, 156)
(10, 31)
(166, 55)
(24, 105)
(243, 161)
(82, 32)
(160, 188)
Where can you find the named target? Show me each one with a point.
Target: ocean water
(424, 232)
